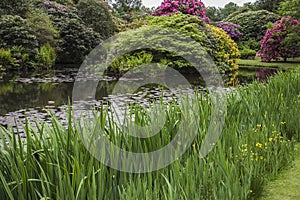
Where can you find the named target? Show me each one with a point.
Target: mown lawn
(254, 64)
(287, 184)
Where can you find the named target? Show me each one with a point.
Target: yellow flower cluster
(228, 52)
(259, 150)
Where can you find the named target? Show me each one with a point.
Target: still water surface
(33, 96)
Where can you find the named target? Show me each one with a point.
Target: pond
(36, 94)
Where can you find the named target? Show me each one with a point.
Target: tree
(269, 5)
(124, 6)
(213, 14)
(228, 9)
(290, 8)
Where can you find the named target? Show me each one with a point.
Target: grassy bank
(257, 142)
(254, 64)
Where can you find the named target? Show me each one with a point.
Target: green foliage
(15, 31)
(247, 53)
(14, 7)
(64, 2)
(218, 14)
(6, 59)
(250, 44)
(129, 61)
(96, 15)
(269, 5)
(213, 14)
(46, 56)
(253, 23)
(214, 41)
(290, 8)
(126, 6)
(77, 41)
(42, 27)
(228, 9)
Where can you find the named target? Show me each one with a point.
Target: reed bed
(257, 142)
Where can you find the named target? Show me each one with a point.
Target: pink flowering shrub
(191, 7)
(231, 29)
(282, 40)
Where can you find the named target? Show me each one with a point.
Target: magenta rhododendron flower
(281, 41)
(191, 7)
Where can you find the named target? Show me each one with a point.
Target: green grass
(286, 185)
(254, 64)
(257, 142)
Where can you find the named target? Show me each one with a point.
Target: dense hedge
(253, 23)
(214, 41)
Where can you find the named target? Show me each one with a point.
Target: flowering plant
(281, 40)
(231, 29)
(191, 7)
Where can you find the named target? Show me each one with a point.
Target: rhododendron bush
(282, 40)
(231, 29)
(191, 7)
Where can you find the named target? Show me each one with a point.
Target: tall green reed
(261, 127)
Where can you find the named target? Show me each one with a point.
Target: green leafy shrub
(77, 41)
(14, 58)
(129, 61)
(59, 12)
(214, 41)
(14, 7)
(253, 23)
(96, 15)
(42, 27)
(250, 44)
(290, 8)
(64, 2)
(6, 59)
(247, 53)
(46, 56)
(15, 31)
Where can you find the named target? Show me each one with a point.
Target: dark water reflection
(32, 97)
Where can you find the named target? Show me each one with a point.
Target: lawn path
(287, 184)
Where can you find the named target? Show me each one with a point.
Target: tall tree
(270, 5)
(228, 9)
(213, 14)
(124, 6)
